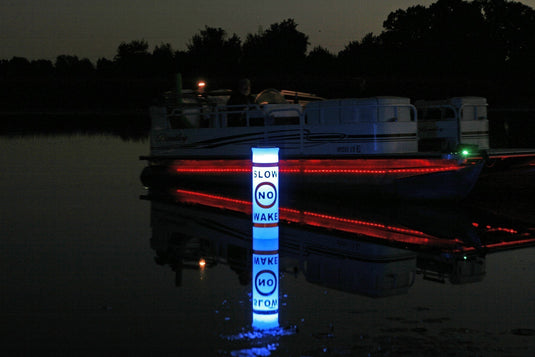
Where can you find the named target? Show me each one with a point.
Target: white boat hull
(364, 146)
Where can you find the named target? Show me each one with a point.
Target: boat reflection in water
(377, 251)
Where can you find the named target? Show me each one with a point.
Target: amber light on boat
(202, 263)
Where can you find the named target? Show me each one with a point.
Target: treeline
(452, 47)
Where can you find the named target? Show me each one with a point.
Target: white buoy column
(265, 215)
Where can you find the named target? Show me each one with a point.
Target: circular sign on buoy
(265, 195)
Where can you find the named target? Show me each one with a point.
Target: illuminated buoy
(265, 216)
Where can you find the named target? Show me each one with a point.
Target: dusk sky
(38, 29)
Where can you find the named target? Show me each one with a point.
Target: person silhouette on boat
(239, 100)
(242, 94)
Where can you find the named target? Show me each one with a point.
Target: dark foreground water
(89, 268)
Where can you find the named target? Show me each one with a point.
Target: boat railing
(192, 115)
(186, 115)
(351, 113)
(253, 115)
(477, 109)
(270, 119)
(458, 112)
(463, 124)
(442, 108)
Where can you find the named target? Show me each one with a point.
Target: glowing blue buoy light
(265, 215)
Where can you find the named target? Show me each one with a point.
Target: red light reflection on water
(490, 228)
(372, 229)
(360, 227)
(517, 238)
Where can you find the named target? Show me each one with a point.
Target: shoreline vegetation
(450, 48)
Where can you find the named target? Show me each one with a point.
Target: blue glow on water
(264, 322)
(258, 334)
(264, 341)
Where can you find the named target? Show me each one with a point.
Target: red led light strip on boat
(371, 172)
(322, 167)
(213, 170)
(316, 171)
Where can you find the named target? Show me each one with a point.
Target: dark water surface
(89, 268)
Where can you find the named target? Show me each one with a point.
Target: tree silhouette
(320, 62)
(459, 37)
(164, 60)
(133, 58)
(42, 68)
(105, 67)
(18, 67)
(280, 49)
(211, 53)
(510, 42)
(72, 66)
(366, 57)
(451, 47)
(405, 42)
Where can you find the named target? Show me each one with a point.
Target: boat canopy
(471, 108)
(467, 108)
(445, 124)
